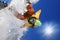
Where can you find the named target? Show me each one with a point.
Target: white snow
(9, 24)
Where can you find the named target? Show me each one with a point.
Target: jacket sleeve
(37, 14)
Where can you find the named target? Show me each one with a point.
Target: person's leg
(16, 14)
(21, 17)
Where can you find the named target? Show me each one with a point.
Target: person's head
(34, 21)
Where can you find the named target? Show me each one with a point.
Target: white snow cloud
(9, 24)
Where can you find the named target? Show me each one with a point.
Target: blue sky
(50, 13)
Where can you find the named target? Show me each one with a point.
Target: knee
(22, 18)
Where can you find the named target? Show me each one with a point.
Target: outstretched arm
(19, 16)
(37, 14)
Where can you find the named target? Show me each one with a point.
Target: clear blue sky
(50, 12)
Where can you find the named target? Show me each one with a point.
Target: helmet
(37, 23)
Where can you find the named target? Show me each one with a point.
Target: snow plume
(9, 24)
